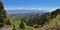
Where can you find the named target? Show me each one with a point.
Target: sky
(31, 4)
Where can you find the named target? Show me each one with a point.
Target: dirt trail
(42, 28)
(6, 27)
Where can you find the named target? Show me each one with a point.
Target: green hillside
(55, 23)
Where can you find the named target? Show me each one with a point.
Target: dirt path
(42, 28)
(6, 27)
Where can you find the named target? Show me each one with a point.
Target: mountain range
(24, 11)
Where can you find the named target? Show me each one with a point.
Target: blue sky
(31, 4)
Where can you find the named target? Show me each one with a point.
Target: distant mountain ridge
(23, 11)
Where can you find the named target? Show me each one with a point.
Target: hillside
(54, 24)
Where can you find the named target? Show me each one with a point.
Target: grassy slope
(53, 22)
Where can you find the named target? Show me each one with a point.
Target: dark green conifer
(3, 16)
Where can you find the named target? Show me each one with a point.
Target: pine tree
(3, 16)
(21, 25)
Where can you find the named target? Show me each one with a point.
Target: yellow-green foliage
(53, 22)
(11, 21)
(28, 27)
(16, 24)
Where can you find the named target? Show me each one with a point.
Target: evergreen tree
(22, 25)
(3, 16)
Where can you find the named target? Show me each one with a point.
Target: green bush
(8, 22)
(1, 24)
(22, 25)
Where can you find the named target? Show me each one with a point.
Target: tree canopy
(3, 16)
